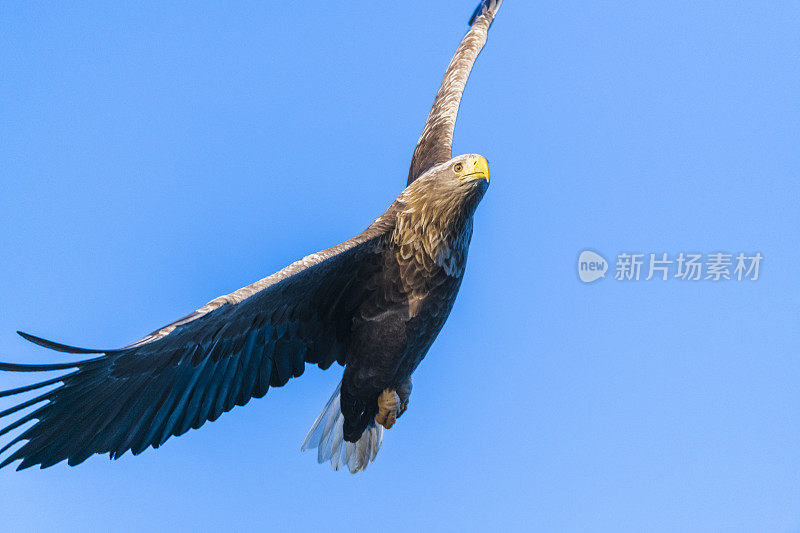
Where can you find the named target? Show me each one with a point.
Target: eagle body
(422, 262)
(374, 304)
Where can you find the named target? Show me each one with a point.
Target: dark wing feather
(58, 346)
(197, 368)
(435, 144)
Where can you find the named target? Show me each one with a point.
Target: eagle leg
(392, 404)
(404, 391)
(388, 407)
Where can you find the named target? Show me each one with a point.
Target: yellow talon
(388, 402)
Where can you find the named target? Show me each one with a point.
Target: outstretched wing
(199, 367)
(436, 142)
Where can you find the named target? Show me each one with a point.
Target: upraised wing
(436, 142)
(230, 350)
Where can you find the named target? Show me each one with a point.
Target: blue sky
(156, 156)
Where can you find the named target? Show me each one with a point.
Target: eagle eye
(458, 167)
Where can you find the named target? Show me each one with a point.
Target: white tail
(327, 435)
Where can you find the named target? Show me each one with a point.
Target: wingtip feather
(58, 346)
(17, 367)
(483, 7)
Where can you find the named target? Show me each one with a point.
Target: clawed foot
(388, 408)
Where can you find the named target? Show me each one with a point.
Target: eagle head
(451, 189)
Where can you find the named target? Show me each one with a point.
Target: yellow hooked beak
(480, 168)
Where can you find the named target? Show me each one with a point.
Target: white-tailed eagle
(374, 303)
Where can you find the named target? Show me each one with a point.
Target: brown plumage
(374, 304)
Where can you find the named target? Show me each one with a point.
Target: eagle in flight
(374, 304)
